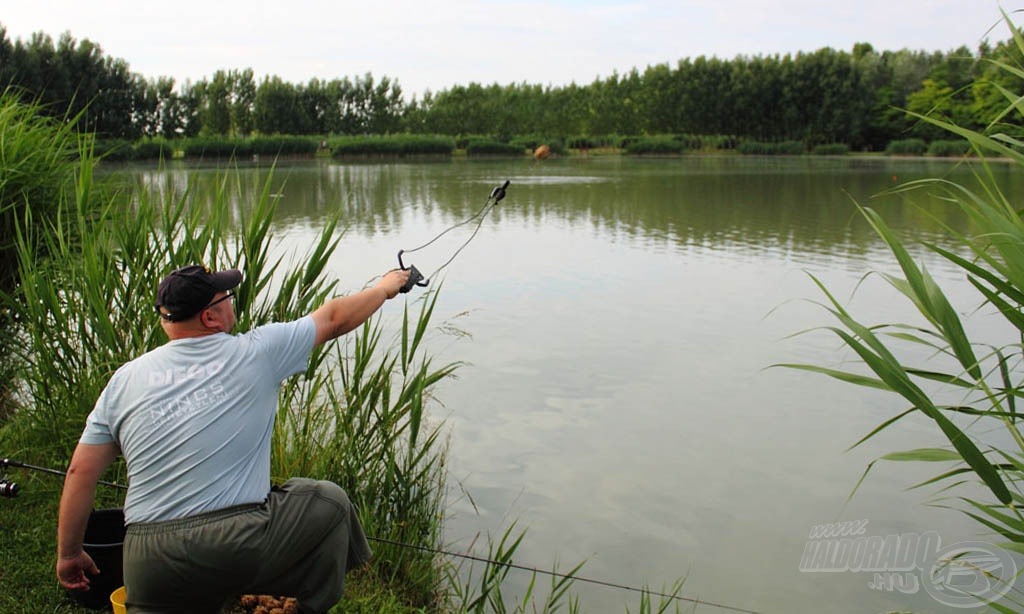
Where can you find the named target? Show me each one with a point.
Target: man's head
(188, 292)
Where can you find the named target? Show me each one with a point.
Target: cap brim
(226, 280)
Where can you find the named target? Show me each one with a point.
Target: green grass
(28, 543)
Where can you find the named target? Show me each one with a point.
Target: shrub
(582, 142)
(153, 150)
(462, 141)
(831, 149)
(530, 143)
(284, 145)
(478, 147)
(906, 147)
(753, 148)
(613, 141)
(782, 148)
(115, 150)
(557, 146)
(948, 148)
(655, 145)
(217, 147)
(121, 150)
(690, 142)
(719, 142)
(394, 145)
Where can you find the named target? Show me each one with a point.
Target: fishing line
(415, 277)
(556, 574)
(13, 492)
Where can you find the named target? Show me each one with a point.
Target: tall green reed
(37, 166)
(969, 388)
(356, 416)
(366, 430)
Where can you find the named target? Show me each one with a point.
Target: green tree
(73, 78)
(215, 105)
(189, 108)
(169, 116)
(946, 93)
(384, 109)
(994, 85)
(243, 99)
(276, 108)
(757, 98)
(319, 102)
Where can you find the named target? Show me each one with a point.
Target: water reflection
(787, 206)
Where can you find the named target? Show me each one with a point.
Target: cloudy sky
(434, 44)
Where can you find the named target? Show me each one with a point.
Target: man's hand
(87, 463)
(71, 571)
(393, 281)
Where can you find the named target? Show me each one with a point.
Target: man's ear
(209, 319)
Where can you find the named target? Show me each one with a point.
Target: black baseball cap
(188, 290)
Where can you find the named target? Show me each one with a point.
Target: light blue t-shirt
(194, 419)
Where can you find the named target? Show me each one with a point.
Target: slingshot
(415, 277)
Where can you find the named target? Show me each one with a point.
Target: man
(193, 419)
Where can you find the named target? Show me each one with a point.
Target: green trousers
(300, 542)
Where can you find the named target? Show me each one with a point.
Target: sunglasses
(229, 295)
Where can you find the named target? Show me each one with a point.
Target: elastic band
(165, 526)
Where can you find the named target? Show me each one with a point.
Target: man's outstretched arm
(344, 313)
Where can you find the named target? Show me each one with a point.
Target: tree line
(857, 98)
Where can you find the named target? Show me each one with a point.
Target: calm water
(620, 317)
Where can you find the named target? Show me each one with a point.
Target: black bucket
(104, 542)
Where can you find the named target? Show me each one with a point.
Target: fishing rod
(10, 489)
(415, 277)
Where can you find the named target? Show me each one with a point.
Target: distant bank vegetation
(826, 102)
(422, 145)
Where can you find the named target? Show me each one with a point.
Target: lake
(618, 319)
